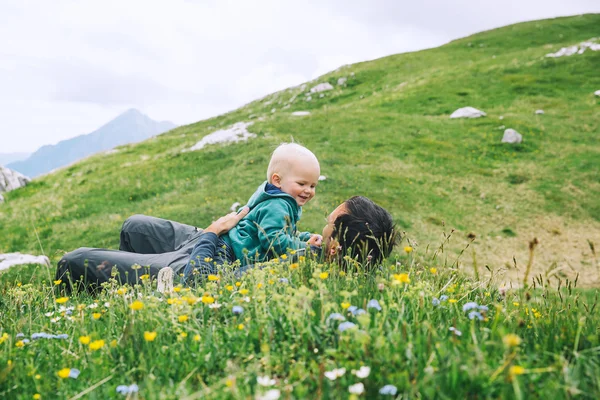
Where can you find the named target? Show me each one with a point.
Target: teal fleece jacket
(269, 229)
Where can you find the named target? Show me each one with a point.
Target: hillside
(385, 134)
(129, 127)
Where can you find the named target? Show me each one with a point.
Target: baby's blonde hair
(284, 156)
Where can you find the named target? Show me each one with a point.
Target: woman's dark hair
(366, 232)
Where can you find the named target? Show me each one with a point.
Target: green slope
(387, 135)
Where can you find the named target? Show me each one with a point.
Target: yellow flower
(96, 315)
(183, 318)
(84, 339)
(511, 340)
(229, 287)
(20, 343)
(537, 314)
(238, 284)
(294, 266)
(208, 299)
(301, 258)
(207, 259)
(3, 337)
(62, 300)
(177, 289)
(213, 278)
(144, 277)
(324, 275)
(401, 278)
(516, 370)
(345, 305)
(58, 282)
(229, 382)
(516, 304)
(122, 290)
(342, 273)
(240, 327)
(196, 338)
(38, 396)
(97, 345)
(259, 285)
(271, 281)
(149, 336)
(38, 376)
(64, 373)
(113, 343)
(408, 249)
(136, 305)
(284, 257)
(433, 270)
(183, 334)
(244, 291)
(452, 301)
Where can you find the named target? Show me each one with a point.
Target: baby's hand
(315, 240)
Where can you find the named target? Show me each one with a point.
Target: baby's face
(300, 181)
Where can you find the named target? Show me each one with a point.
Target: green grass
(386, 135)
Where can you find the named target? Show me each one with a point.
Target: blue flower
(374, 304)
(443, 297)
(125, 390)
(25, 340)
(336, 316)
(20, 335)
(475, 314)
(435, 301)
(469, 306)
(360, 311)
(237, 310)
(455, 331)
(284, 280)
(74, 373)
(352, 309)
(346, 325)
(483, 308)
(388, 390)
(43, 335)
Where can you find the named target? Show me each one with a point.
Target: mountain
(6, 158)
(386, 133)
(129, 127)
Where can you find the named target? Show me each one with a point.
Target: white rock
(539, 112)
(576, 49)
(321, 95)
(300, 113)
(321, 87)
(8, 260)
(309, 98)
(512, 136)
(342, 81)
(11, 180)
(322, 177)
(235, 206)
(273, 110)
(501, 117)
(597, 92)
(468, 112)
(565, 51)
(236, 133)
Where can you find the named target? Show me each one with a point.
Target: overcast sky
(68, 67)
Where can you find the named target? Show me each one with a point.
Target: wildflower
(346, 325)
(72, 373)
(455, 331)
(237, 310)
(38, 376)
(37, 396)
(145, 277)
(183, 334)
(362, 372)
(516, 304)
(43, 335)
(121, 290)
(113, 343)
(207, 299)
(433, 271)
(324, 275)
(272, 394)
(373, 303)
(408, 249)
(284, 281)
(84, 339)
(335, 373)
(511, 340)
(62, 300)
(516, 370)
(126, 390)
(336, 317)
(470, 306)
(244, 291)
(149, 336)
(207, 259)
(106, 304)
(345, 305)
(20, 335)
(93, 305)
(229, 288)
(360, 311)
(196, 338)
(182, 318)
(3, 337)
(20, 343)
(357, 388)
(452, 301)
(136, 266)
(483, 308)
(136, 305)
(214, 305)
(381, 286)
(401, 278)
(58, 282)
(96, 315)
(294, 266)
(238, 284)
(265, 381)
(240, 327)
(435, 301)
(97, 345)
(388, 390)
(475, 314)
(213, 278)
(270, 281)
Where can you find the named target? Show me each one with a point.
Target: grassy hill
(387, 135)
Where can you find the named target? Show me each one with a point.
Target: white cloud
(70, 66)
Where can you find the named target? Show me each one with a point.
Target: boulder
(512, 136)
(11, 180)
(236, 133)
(300, 113)
(468, 112)
(8, 260)
(539, 112)
(321, 87)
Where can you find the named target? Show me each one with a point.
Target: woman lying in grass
(358, 227)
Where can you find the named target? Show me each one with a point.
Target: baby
(269, 229)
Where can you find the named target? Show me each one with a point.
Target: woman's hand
(315, 240)
(225, 223)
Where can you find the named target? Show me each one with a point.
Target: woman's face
(328, 229)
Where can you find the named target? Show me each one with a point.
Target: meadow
(450, 315)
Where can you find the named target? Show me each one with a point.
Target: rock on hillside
(11, 180)
(130, 127)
